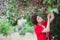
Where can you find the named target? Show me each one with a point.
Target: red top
(38, 30)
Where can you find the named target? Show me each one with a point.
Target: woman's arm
(50, 17)
(47, 29)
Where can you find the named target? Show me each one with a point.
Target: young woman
(42, 27)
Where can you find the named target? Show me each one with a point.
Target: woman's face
(39, 19)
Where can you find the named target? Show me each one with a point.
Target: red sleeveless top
(38, 30)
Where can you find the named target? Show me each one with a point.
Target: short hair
(34, 19)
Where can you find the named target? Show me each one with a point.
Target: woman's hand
(50, 16)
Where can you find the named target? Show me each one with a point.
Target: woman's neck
(40, 24)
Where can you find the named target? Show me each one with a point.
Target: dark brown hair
(33, 19)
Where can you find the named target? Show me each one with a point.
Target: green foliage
(10, 11)
(48, 2)
(24, 1)
(27, 27)
(5, 27)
